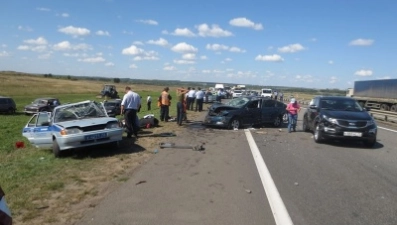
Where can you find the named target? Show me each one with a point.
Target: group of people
(186, 99)
(278, 95)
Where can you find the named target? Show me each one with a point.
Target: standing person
(149, 102)
(199, 100)
(275, 95)
(281, 96)
(165, 102)
(181, 105)
(129, 106)
(293, 109)
(190, 98)
(219, 95)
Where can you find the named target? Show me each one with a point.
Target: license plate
(352, 134)
(95, 136)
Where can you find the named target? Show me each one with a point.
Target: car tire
(277, 121)
(55, 149)
(11, 111)
(234, 123)
(318, 136)
(369, 143)
(305, 127)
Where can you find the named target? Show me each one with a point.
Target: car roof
(333, 97)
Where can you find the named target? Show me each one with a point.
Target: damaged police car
(246, 111)
(72, 126)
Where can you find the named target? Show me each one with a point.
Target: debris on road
(173, 145)
(141, 182)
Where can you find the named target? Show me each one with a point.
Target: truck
(266, 92)
(375, 94)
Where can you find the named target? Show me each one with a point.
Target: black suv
(333, 117)
(7, 105)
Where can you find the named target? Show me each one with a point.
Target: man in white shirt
(199, 100)
(129, 107)
(149, 102)
(191, 95)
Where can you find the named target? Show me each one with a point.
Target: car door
(269, 110)
(252, 113)
(38, 130)
(312, 112)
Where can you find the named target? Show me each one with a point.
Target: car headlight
(370, 122)
(68, 131)
(330, 119)
(112, 125)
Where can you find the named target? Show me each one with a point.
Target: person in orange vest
(165, 102)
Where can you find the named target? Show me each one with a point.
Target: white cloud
(244, 22)
(313, 39)
(306, 78)
(169, 68)
(39, 48)
(291, 48)
(160, 42)
(364, 73)
(65, 15)
(133, 66)
(213, 31)
(235, 49)
(269, 58)
(146, 57)
(182, 61)
(333, 80)
(362, 42)
(45, 56)
(25, 28)
(102, 33)
(3, 45)
(183, 32)
(128, 32)
(330, 62)
(189, 56)
(92, 60)
(38, 41)
(132, 50)
(150, 22)
(203, 57)
(183, 47)
(65, 46)
(4, 54)
(109, 64)
(75, 31)
(228, 59)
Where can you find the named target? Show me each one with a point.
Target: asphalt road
(332, 183)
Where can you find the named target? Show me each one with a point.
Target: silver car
(71, 126)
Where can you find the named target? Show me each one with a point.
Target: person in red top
(293, 109)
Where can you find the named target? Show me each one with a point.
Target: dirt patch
(107, 173)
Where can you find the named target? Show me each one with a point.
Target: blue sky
(297, 43)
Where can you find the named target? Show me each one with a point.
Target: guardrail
(383, 115)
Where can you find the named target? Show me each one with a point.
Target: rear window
(267, 91)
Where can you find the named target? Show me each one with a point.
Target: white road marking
(395, 131)
(279, 210)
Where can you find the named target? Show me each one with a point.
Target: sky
(294, 43)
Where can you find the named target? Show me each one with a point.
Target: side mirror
(367, 109)
(313, 107)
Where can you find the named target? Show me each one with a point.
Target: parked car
(209, 97)
(113, 107)
(339, 118)
(72, 126)
(237, 93)
(42, 105)
(245, 111)
(5, 213)
(7, 105)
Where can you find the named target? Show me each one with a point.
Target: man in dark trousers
(165, 102)
(149, 102)
(129, 107)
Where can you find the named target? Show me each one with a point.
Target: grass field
(29, 175)
(39, 187)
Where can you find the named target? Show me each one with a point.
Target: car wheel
(234, 124)
(277, 121)
(11, 111)
(305, 126)
(393, 108)
(318, 136)
(55, 149)
(370, 143)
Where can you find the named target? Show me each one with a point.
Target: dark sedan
(245, 111)
(41, 105)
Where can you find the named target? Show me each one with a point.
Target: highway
(259, 176)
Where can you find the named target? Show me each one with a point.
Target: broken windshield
(78, 111)
(238, 102)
